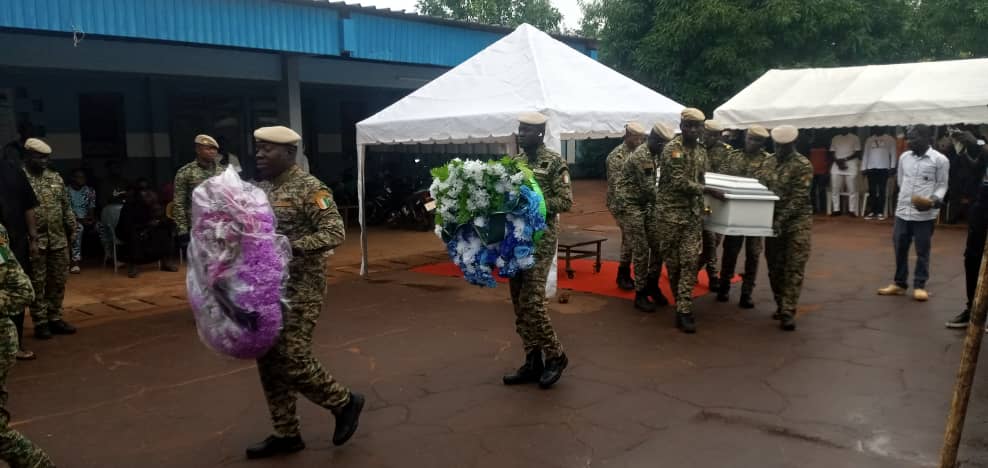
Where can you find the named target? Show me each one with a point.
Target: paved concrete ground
(865, 382)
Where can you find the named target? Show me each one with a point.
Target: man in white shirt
(846, 149)
(922, 175)
(878, 161)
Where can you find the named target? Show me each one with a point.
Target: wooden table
(574, 245)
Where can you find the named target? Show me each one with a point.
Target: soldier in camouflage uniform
(189, 177)
(680, 204)
(753, 163)
(792, 222)
(717, 150)
(528, 287)
(308, 217)
(636, 192)
(15, 293)
(56, 229)
(634, 134)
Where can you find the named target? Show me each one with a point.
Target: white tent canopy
(934, 93)
(527, 70)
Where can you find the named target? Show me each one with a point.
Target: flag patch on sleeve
(323, 199)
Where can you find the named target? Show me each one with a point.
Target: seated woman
(146, 234)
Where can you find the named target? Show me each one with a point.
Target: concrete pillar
(290, 103)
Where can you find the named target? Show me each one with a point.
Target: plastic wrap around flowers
(491, 215)
(237, 267)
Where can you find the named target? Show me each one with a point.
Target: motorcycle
(417, 211)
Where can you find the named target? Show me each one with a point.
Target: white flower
(480, 221)
(439, 231)
(500, 262)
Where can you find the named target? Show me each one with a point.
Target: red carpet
(585, 280)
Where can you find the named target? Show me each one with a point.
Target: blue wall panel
(397, 40)
(374, 37)
(255, 24)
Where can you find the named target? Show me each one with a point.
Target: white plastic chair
(110, 216)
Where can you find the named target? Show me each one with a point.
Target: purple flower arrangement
(238, 266)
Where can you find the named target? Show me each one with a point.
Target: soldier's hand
(32, 246)
(718, 194)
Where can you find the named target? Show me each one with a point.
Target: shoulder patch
(675, 154)
(322, 199)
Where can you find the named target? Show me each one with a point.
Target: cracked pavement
(864, 382)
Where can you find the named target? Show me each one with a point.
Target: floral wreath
(491, 215)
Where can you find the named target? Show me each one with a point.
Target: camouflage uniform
(308, 216)
(758, 166)
(187, 179)
(788, 252)
(50, 267)
(615, 162)
(15, 293)
(636, 193)
(711, 240)
(528, 287)
(680, 226)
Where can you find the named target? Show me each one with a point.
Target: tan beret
(532, 118)
(36, 145)
(280, 135)
(784, 134)
(758, 130)
(692, 113)
(206, 140)
(713, 126)
(663, 131)
(635, 128)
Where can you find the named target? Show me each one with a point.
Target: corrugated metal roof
(254, 24)
(313, 27)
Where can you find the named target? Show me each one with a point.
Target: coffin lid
(739, 188)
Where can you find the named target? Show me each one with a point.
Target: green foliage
(702, 52)
(511, 13)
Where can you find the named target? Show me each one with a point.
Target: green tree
(950, 29)
(511, 13)
(702, 52)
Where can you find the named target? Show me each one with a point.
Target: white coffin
(746, 211)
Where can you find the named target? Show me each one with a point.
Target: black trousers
(877, 182)
(818, 192)
(977, 226)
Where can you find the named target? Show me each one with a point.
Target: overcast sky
(569, 8)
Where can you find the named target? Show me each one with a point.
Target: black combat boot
(61, 327)
(529, 372)
(746, 302)
(42, 332)
(348, 418)
(778, 314)
(788, 321)
(624, 280)
(685, 322)
(553, 371)
(724, 291)
(642, 303)
(655, 292)
(713, 281)
(275, 445)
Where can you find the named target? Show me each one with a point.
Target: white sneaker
(891, 290)
(881, 217)
(869, 216)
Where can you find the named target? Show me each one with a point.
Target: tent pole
(361, 215)
(965, 375)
